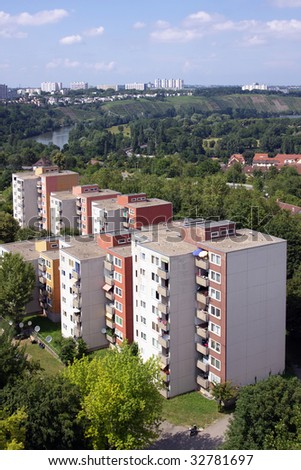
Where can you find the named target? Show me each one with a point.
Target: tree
(267, 416)
(17, 281)
(120, 399)
(223, 393)
(71, 350)
(52, 405)
(12, 430)
(13, 361)
(8, 228)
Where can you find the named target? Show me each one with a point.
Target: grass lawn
(189, 409)
(47, 361)
(48, 328)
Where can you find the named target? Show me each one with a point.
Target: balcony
(111, 339)
(163, 308)
(202, 263)
(202, 332)
(42, 266)
(76, 303)
(76, 289)
(162, 273)
(109, 280)
(110, 309)
(204, 366)
(202, 349)
(108, 265)
(202, 281)
(109, 295)
(202, 298)
(202, 315)
(164, 325)
(79, 202)
(126, 225)
(204, 383)
(164, 360)
(165, 376)
(164, 341)
(163, 291)
(78, 211)
(42, 280)
(75, 275)
(109, 323)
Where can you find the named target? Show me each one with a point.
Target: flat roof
(25, 248)
(146, 203)
(122, 250)
(52, 254)
(107, 204)
(58, 173)
(101, 192)
(26, 175)
(164, 241)
(244, 239)
(63, 195)
(83, 248)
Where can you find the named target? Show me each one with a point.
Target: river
(59, 137)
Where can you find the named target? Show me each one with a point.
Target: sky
(205, 42)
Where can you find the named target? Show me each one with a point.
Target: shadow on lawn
(183, 441)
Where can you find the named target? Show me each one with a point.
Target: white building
(254, 86)
(169, 84)
(107, 216)
(50, 87)
(25, 198)
(78, 86)
(63, 211)
(135, 86)
(82, 296)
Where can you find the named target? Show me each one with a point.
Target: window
(214, 311)
(64, 326)
(143, 304)
(63, 286)
(142, 255)
(155, 343)
(155, 277)
(155, 326)
(48, 264)
(214, 378)
(143, 335)
(121, 241)
(215, 259)
(214, 234)
(155, 310)
(215, 328)
(118, 306)
(48, 276)
(64, 300)
(143, 320)
(142, 272)
(118, 334)
(215, 346)
(63, 272)
(117, 262)
(215, 363)
(64, 313)
(214, 294)
(118, 320)
(117, 276)
(214, 276)
(71, 318)
(155, 260)
(71, 263)
(118, 291)
(142, 288)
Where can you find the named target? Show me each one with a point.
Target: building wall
(256, 296)
(148, 215)
(25, 200)
(67, 218)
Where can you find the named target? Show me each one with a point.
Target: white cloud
(198, 17)
(139, 25)
(284, 27)
(162, 24)
(95, 31)
(175, 35)
(102, 66)
(69, 40)
(37, 19)
(286, 3)
(67, 63)
(254, 41)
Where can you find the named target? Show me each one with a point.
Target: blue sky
(206, 42)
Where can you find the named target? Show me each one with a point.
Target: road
(178, 437)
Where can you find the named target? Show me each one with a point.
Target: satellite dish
(29, 323)
(21, 325)
(37, 328)
(48, 339)
(103, 330)
(10, 323)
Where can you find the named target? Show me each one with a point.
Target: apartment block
(24, 187)
(209, 301)
(82, 296)
(63, 211)
(140, 211)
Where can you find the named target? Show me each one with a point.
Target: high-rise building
(50, 87)
(169, 84)
(209, 301)
(135, 86)
(78, 86)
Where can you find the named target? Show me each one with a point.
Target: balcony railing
(165, 376)
(76, 303)
(109, 323)
(163, 291)
(42, 280)
(109, 280)
(111, 339)
(202, 281)
(202, 332)
(202, 298)
(42, 266)
(202, 349)
(109, 295)
(75, 275)
(164, 360)
(163, 308)
(164, 325)
(204, 383)
(162, 273)
(110, 309)
(108, 265)
(164, 341)
(76, 289)
(204, 366)
(202, 263)
(202, 315)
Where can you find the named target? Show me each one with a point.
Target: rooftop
(107, 204)
(63, 195)
(101, 192)
(124, 251)
(25, 248)
(51, 254)
(26, 175)
(82, 248)
(166, 241)
(147, 203)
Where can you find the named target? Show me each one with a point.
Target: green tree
(120, 399)
(68, 350)
(8, 228)
(52, 405)
(17, 281)
(224, 392)
(12, 430)
(13, 362)
(267, 416)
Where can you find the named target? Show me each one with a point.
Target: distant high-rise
(3, 92)
(49, 87)
(169, 84)
(135, 86)
(78, 86)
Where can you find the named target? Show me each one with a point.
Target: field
(48, 362)
(47, 328)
